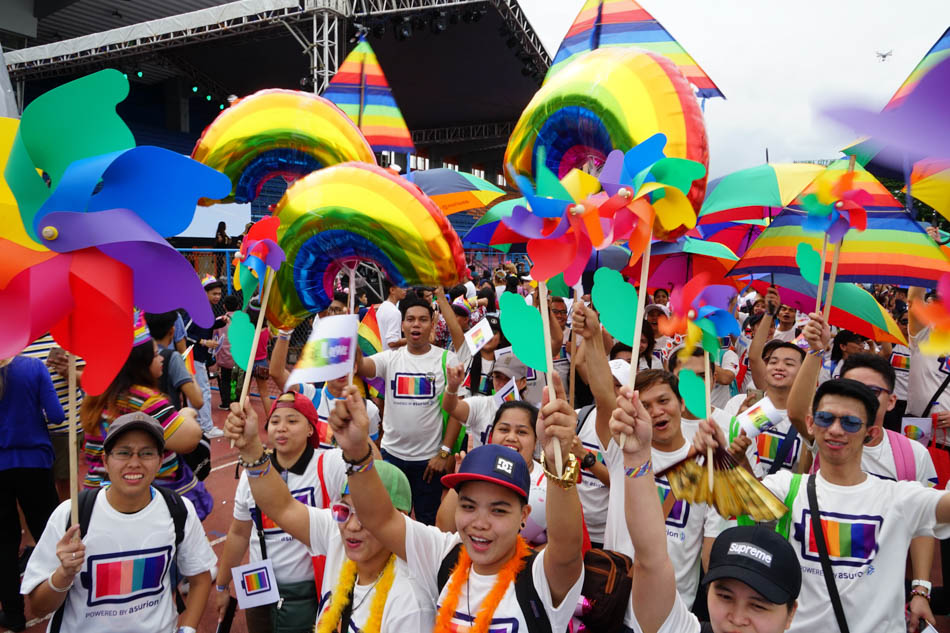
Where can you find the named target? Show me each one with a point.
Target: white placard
(478, 336)
(508, 393)
(328, 353)
(255, 584)
(920, 429)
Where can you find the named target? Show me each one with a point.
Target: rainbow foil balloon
(355, 212)
(610, 99)
(274, 133)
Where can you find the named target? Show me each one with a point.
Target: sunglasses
(342, 512)
(850, 423)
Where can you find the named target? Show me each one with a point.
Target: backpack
(170, 392)
(87, 501)
(608, 580)
(530, 602)
(903, 453)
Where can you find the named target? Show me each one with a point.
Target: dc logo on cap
(505, 466)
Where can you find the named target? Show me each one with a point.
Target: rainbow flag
(603, 23)
(845, 539)
(255, 580)
(128, 577)
(893, 250)
(370, 342)
(360, 89)
(189, 357)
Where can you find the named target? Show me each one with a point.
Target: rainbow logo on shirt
(767, 444)
(679, 515)
(414, 386)
(900, 362)
(255, 581)
(127, 576)
(851, 539)
(913, 432)
(303, 495)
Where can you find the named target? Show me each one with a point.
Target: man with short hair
(176, 381)
(414, 436)
(124, 559)
(868, 522)
(202, 338)
(389, 317)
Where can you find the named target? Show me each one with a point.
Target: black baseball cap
(135, 421)
(495, 464)
(759, 557)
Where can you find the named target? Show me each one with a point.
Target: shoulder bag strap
(535, 616)
(325, 497)
(903, 456)
(933, 398)
(258, 516)
(582, 416)
(818, 533)
(783, 449)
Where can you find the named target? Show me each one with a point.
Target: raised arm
(761, 337)
(654, 580)
(451, 402)
(270, 492)
(278, 359)
(914, 325)
(374, 508)
(563, 560)
(601, 381)
(817, 334)
(451, 322)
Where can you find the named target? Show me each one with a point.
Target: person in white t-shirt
(514, 426)
(414, 436)
(753, 574)
(493, 486)
(928, 373)
(388, 317)
(312, 479)
(786, 318)
(899, 355)
(868, 522)
(366, 588)
(478, 412)
(123, 561)
(691, 528)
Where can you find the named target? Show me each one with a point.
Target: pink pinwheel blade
(32, 302)
(551, 257)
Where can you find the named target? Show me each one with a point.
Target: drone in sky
(882, 56)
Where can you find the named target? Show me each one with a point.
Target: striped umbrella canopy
(930, 183)
(455, 191)
(737, 236)
(360, 89)
(757, 192)
(604, 23)
(491, 231)
(674, 263)
(893, 250)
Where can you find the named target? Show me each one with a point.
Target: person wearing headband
(308, 474)
(365, 587)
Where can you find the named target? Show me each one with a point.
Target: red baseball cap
(303, 405)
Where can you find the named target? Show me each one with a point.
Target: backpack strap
(783, 449)
(582, 416)
(535, 617)
(903, 456)
(86, 502)
(178, 511)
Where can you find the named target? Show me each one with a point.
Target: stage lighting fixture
(402, 29)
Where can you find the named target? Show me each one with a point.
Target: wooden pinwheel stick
(638, 325)
(549, 364)
(821, 273)
(351, 265)
(73, 443)
(831, 280)
(248, 374)
(707, 371)
(573, 366)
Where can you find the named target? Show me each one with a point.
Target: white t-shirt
(125, 583)
(480, 420)
(879, 461)
(722, 393)
(680, 619)
(324, 402)
(427, 546)
(535, 530)
(900, 361)
(926, 374)
(767, 444)
(686, 526)
(389, 319)
(412, 417)
(594, 495)
(290, 557)
(874, 522)
(784, 335)
(406, 608)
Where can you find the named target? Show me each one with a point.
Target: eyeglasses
(564, 312)
(125, 454)
(342, 512)
(878, 390)
(850, 423)
(334, 311)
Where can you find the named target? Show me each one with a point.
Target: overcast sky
(780, 63)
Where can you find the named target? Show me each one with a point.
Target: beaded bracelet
(920, 592)
(265, 456)
(644, 468)
(258, 473)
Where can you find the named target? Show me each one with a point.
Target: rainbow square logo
(679, 515)
(851, 539)
(414, 386)
(303, 495)
(126, 576)
(767, 444)
(478, 338)
(255, 581)
(900, 362)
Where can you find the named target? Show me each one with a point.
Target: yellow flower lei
(458, 578)
(330, 620)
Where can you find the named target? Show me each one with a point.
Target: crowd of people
(435, 504)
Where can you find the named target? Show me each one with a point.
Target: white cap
(620, 369)
(657, 306)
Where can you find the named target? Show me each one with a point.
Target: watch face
(588, 460)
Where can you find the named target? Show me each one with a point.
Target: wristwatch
(444, 451)
(588, 461)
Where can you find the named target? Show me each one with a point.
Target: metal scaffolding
(462, 133)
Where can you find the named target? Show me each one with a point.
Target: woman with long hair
(135, 388)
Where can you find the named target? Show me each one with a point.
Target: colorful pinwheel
(259, 251)
(836, 207)
(936, 315)
(81, 251)
(701, 314)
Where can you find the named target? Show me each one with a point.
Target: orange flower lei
(460, 576)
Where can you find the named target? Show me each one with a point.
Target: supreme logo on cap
(505, 466)
(751, 551)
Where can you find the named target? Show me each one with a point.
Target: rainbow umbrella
(852, 307)
(605, 23)
(930, 183)
(675, 263)
(360, 89)
(757, 192)
(483, 232)
(737, 236)
(893, 249)
(455, 191)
